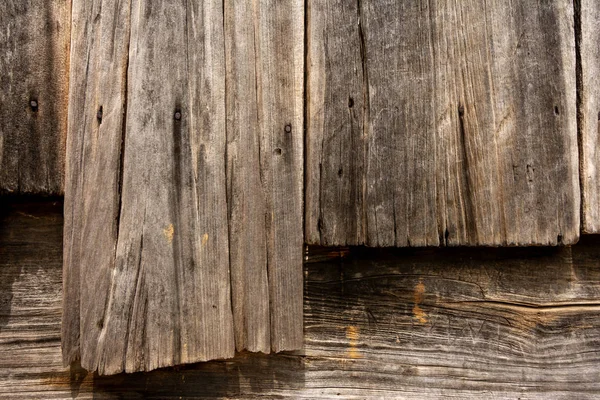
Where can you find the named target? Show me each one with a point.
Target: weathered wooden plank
(146, 247)
(34, 63)
(247, 192)
(280, 60)
(407, 323)
(174, 150)
(441, 123)
(265, 63)
(97, 101)
(100, 40)
(587, 16)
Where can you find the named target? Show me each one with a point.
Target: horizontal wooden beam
(405, 323)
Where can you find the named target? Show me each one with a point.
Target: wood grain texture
(247, 206)
(169, 161)
(588, 34)
(99, 55)
(146, 228)
(407, 323)
(441, 123)
(265, 84)
(34, 64)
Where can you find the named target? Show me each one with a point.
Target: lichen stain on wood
(169, 232)
(353, 336)
(418, 312)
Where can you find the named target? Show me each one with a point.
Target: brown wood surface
(441, 123)
(146, 228)
(34, 63)
(587, 17)
(408, 323)
(169, 162)
(265, 64)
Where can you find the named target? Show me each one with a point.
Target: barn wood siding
(185, 150)
(34, 65)
(404, 323)
(441, 123)
(183, 204)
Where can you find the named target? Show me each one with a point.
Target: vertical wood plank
(181, 142)
(34, 55)
(99, 59)
(265, 61)
(247, 189)
(281, 78)
(458, 131)
(146, 216)
(588, 29)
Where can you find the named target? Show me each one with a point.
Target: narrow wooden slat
(265, 42)
(146, 230)
(34, 63)
(588, 33)
(441, 123)
(99, 54)
(280, 75)
(246, 189)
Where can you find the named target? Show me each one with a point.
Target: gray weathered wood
(265, 64)
(422, 324)
(146, 247)
(34, 63)
(178, 145)
(441, 123)
(100, 40)
(247, 207)
(588, 74)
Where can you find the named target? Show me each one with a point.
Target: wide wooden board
(441, 123)
(171, 158)
(146, 239)
(34, 82)
(415, 324)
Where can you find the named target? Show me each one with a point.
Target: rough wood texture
(34, 55)
(587, 14)
(265, 64)
(441, 123)
(169, 160)
(449, 323)
(146, 228)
